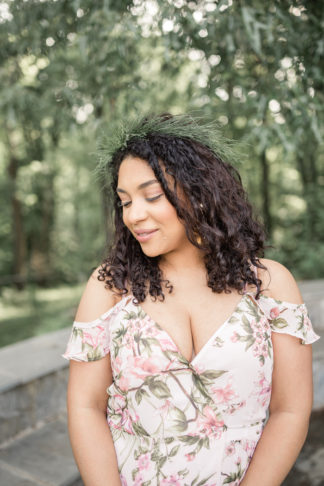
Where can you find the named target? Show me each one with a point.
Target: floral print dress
(182, 423)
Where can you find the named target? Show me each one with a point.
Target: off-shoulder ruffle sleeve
(287, 318)
(90, 341)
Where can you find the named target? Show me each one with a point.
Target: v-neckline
(169, 337)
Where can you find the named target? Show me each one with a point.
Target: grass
(34, 311)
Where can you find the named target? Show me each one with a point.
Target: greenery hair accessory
(181, 126)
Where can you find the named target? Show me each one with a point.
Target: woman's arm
(89, 432)
(291, 397)
(290, 407)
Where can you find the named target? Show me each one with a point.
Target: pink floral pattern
(183, 423)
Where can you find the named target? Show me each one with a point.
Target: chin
(152, 252)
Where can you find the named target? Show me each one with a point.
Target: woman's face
(147, 213)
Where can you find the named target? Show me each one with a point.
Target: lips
(144, 232)
(143, 235)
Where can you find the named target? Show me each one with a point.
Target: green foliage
(35, 311)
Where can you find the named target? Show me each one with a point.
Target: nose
(136, 212)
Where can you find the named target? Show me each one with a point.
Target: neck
(183, 263)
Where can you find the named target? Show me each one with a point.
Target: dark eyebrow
(141, 186)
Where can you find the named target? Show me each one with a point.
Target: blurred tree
(71, 69)
(47, 86)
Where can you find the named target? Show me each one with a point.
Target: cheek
(172, 222)
(169, 214)
(166, 215)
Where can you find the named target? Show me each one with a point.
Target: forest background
(71, 70)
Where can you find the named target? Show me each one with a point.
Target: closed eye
(154, 198)
(125, 204)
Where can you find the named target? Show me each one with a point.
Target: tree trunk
(40, 258)
(18, 234)
(308, 171)
(266, 195)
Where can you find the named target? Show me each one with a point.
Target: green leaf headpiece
(182, 126)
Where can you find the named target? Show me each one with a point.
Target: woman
(197, 337)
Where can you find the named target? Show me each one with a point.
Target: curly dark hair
(215, 206)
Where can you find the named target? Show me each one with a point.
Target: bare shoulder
(278, 282)
(96, 299)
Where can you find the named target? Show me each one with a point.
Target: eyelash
(125, 204)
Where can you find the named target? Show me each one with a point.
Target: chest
(192, 318)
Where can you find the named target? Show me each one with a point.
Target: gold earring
(198, 238)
